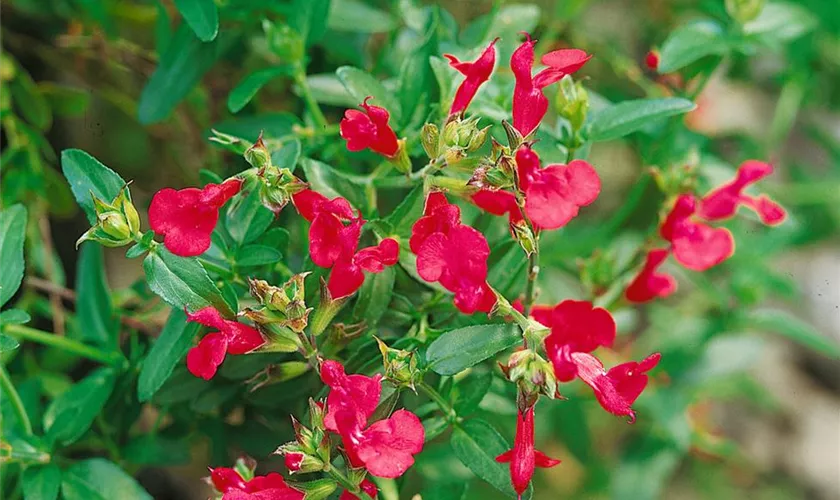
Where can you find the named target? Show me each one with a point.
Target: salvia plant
(422, 279)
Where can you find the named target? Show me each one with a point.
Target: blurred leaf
(783, 323)
(41, 482)
(333, 183)
(7, 344)
(326, 88)
(375, 296)
(257, 255)
(361, 85)
(506, 265)
(416, 78)
(202, 16)
(167, 351)
(287, 156)
(250, 85)
(434, 427)
(67, 102)
(14, 317)
(691, 42)
(570, 425)
(100, 479)
(445, 491)
(353, 15)
(477, 444)
(407, 212)
(182, 282)
(157, 451)
(459, 349)
(98, 324)
(644, 471)
(307, 18)
(28, 100)
(163, 33)
(782, 21)
(13, 229)
(272, 125)
(629, 116)
(87, 176)
(70, 415)
(247, 218)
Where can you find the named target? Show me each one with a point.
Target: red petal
(649, 284)
(183, 220)
(591, 371)
(476, 74)
(225, 478)
(527, 165)
(216, 195)
(566, 60)
(699, 247)
(358, 393)
(358, 130)
(242, 339)
(543, 460)
(523, 460)
(387, 447)
(307, 203)
(204, 359)
(577, 326)
(345, 278)
(325, 245)
(208, 316)
(431, 257)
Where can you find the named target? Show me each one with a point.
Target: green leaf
(446, 491)
(407, 212)
(169, 349)
(782, 21)
(13, 231)
(183, 282)
(41, 482)
(67, 102)
(691, 42)
(157, 451)
(644, 471)
(627, 117)
(469, 392)
(307, 18)
(257, 255)
(97, 322)
(361, 85)
(506, 265)
(783, 323)
(7, 344)
(100, 479)
(375, 296)
(359, 17)
(477, 444)
(416, 78)
(14, 317)
(287, 156)
(462, 348)
(28, 100)
(272, 125)
(327, 89)
(247, 218)
(182, 65)
(70, 415)
(250, 85)
(87, 176)
(332, 183)
(202, 16)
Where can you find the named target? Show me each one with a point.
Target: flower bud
(319, 489)
(284, 306)
(117, 221)
(532, 374)
(514, 137)
(258, 155)
(326, 311)
(297, 460)
(430, 138)
(400, 160)
(524, 236)
(400, 366)
(744, 11)
(572, 102)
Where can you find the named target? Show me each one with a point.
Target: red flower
(366, 485)
(695, 245)
(652, 60)
(453, 254)
(529, 102)
(523, 458)
(269, 487)
(649, 284)
(498, 203)
(187, 217)
(576, 326)
(231, 338)
(476, 73)
(347, 276)
(387, 447)
(369, 130)
(618, 388)
(723, 202)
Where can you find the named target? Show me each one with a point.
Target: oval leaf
(70, 415)
(332, 183)
(250, 85)
(41, 482)
(691, 42)
(100, 479)
(97, 321)
(627, 117)
(87, 176)
(477, 444)
(202, 16)
(459, 349)
(171, 346)
(13, 231)
(183, 282)
(361, 85)
(375, 296)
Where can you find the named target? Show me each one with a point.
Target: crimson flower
(231, 338)
(529, 102)
(453, 254)
(269, 487)
(498, 202)
(523, 458)
(187, 217)
(369, 130)
(476, 73)
(723, 202)
(576, 326)
(618, 388)
(367, 486)
(652, 60)
(696, 246)
(387, 447)
(649, 284)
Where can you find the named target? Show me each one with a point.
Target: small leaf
(41, 482)
(272, 125)
(247, 218)
(13, 231)
(434, 427)
(87, 176)
(97, 322)
(459, 349)
(446, 491)
(782, 21)
(287, 156)
(407, 212)
(169, 349)
(333, 183)
(67, 102)
(783, 323)
(327, 89)
(691, 42)
(202, 16)
(257, 255)
(375, 296)
(28, 100)
(100, 479)
(250, 85)
(183, 282)
(506, 264)
(307, 18)
(157, 451)
(14, 317)
(469, 392)
(361, 85)
(627, 117)
(359, 17)
(71, 414)
(416, 77)
(7, 344)
(477, 444)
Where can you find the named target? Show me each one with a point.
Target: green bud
(277, 187)
(450, 133)
(400, 366)
(284, 306)
(744, 11)
(477, 139)
(319, 489)
(514, 138)
(258, 155)
(572, 102)
(598, 273)
(532, 374)
(524, 236)
(401, 161)
(117, 221)
(326, 311)
(430, 138)
(298, 459)
(115, 225)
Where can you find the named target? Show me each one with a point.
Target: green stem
(72, 346)
(435, 396)
(14, 398)
(309, 99)
(345, 483)
(530, 286)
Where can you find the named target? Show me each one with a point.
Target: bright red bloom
(649, 284)
(347, 276)
(269, 487)
(617, 389)
(476, 73)
(453, 254)
(696, 246)
(367, 486)
(523, 458)
(498, 203)
(187, 217)
(387, 447)
(369, 130)
(652, 60)
(231, 338)
(723, 202)
(576, 326)
(529, 102)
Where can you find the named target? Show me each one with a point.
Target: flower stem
(530, 286)
(345, 483)
(435, 396)
(63, 343)
(309, 99)
(14, 398)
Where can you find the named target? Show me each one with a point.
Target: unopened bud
(117, 221)
(572, 102)
(297, 460)
(258, 155)
(450, 133)
(319, 489)
(532, 374)
(430, 138)
(524, 236)
(400, 366)
(514, 138)
(400, 160)
(245, 467)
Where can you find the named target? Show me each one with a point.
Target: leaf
(333, 183)
(70, 415)
(257, 255)
(169, 349)
(446, 491)
(782, 21)
(67, 102)
(41, 482)
(87, 176)
(307, 18)
(359, 17)
(287, 156)
(202, 16)
(247, 218)
(250, 85)
(326, 88)
(13, 231)
(691, 42)
(361, 85)
(7, 344)
(182, 282)
(459, 349)
(506, 265)
(182, 65)
(100, 479)
(416, 78)
(272, 125)
(783, 323)
(407, 212)
(434, 427)
(469, 392)
(644, 471)
(14, 317)
(375, 296)
(157, 451)
(97, 322)
(627, 117)
(28, 100)
(477, 444)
